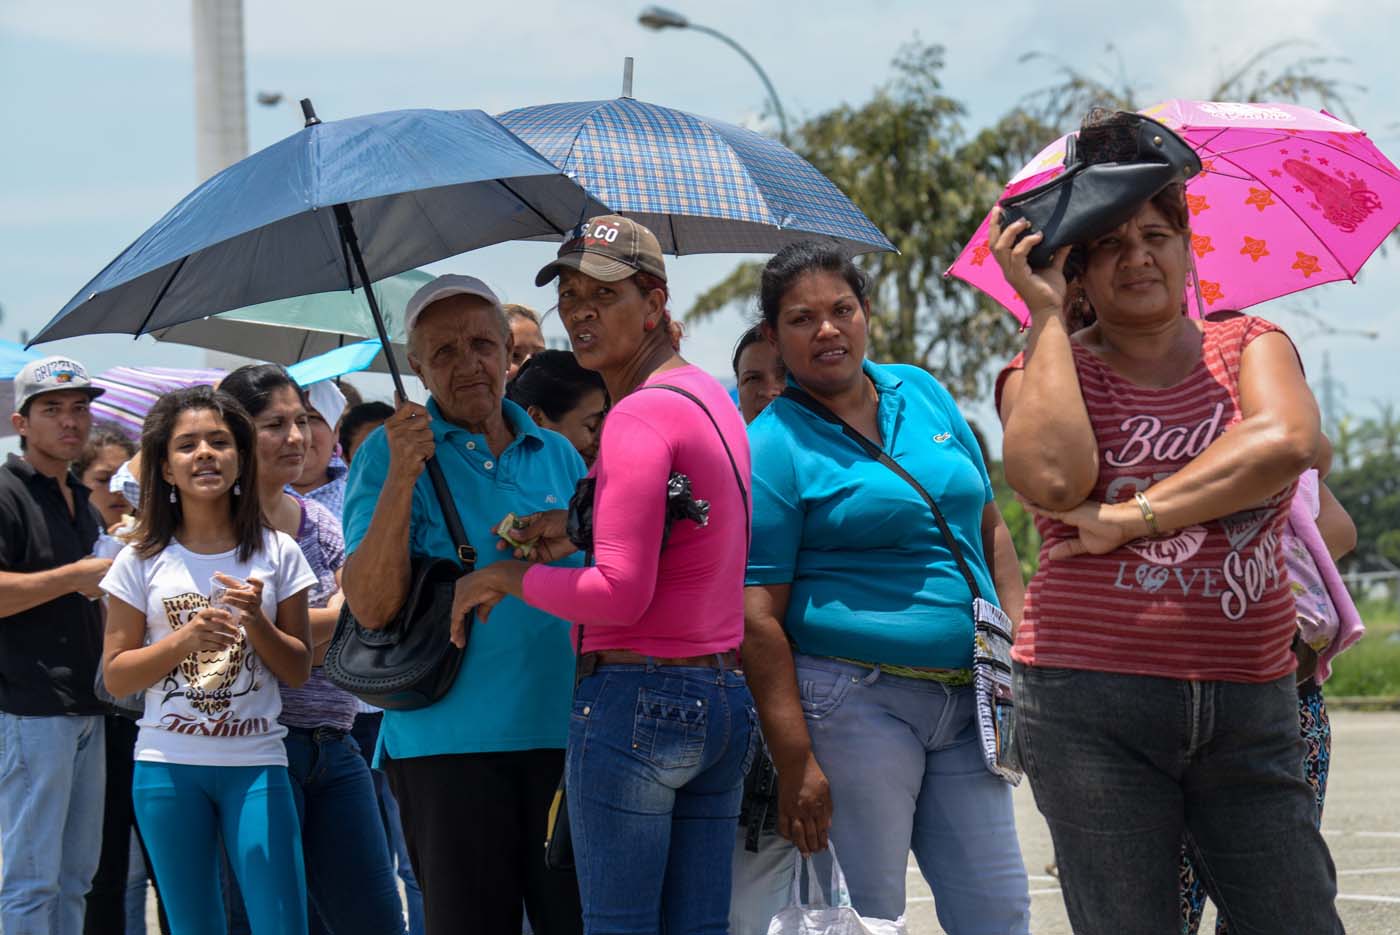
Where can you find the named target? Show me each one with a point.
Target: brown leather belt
(625, 657)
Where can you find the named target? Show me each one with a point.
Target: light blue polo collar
(887, 385)
(521, 425)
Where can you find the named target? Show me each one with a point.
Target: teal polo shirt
(513, 690)
(871, 576)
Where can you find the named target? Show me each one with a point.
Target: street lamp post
(659, 18)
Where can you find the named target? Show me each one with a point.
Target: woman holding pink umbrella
(1154, 674)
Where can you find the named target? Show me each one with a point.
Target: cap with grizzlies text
(50, 374)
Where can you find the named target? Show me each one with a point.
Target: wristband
(1148, 515)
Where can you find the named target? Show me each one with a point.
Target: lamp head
(658, 18)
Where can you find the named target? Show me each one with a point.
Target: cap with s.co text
(611, 249)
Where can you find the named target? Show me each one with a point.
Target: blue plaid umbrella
(701, 185)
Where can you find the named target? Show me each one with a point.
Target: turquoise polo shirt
(871, 576)
(513, 690)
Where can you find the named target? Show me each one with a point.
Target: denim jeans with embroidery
(654, 773)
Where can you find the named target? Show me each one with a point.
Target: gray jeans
(1124, 766)
(905, 766)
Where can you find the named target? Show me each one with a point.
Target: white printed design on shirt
(209, 680)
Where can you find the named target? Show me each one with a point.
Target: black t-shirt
(49, 653)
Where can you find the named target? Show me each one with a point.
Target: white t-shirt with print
(214, 708)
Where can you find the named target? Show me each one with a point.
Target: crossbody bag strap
(804, 399)
(465, 553)
(738, 476)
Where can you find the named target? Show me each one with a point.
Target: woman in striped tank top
(1154, 671)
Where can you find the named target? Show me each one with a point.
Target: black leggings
(474, 824)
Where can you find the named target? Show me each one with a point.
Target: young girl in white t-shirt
(210, 763)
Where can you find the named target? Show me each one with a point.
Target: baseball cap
(49, 374)
(611, 248)
(441, 288)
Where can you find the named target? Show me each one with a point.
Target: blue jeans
(183, 811)
(1124, 767)
(52, 788)
(348, 870)
(366, 734)
(655, 770)
(905, 766)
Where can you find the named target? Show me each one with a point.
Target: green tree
(1291, 70)
(1370, 493)
(905, 159)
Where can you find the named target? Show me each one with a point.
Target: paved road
(1361, 823)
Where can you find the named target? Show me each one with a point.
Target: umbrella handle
(346, 223)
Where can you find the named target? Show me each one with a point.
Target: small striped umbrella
(700, 185)
(132, 391)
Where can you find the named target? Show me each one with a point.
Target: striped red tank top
(1208, 602)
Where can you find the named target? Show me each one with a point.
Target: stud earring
(173, 498)
(649, 326)
(237, 489)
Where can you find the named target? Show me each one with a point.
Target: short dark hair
(351, 394)
(554, 383)
(158, 517)
(103, 435)
(796, 260)
(1100, 147)
(253, 385)
(750, 337)
(357, 417)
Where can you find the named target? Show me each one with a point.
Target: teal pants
(185, 811)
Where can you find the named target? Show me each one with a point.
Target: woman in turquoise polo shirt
(858, 644)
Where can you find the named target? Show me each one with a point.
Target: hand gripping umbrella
(336, 205)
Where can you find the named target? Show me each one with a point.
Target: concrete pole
(220, 93)
(220, 103)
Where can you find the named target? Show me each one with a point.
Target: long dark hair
(253, 385)
(554, 383)
(158, 518)
(796, 260)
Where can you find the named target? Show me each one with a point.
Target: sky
(97, 106)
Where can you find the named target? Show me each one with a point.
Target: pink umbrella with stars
(1288, 198)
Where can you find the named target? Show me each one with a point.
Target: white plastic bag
(818, 918)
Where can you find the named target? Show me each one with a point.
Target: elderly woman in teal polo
(859, 632)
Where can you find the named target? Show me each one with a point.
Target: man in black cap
(51, 731)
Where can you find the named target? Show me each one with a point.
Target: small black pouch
(1133, 160)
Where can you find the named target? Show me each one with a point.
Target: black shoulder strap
(804, 399)
(738, 477)
(465, 553)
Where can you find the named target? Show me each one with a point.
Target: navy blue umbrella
(701, 185)
(334, 206)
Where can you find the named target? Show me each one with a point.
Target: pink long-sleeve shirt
(686, 599)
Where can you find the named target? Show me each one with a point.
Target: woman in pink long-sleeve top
(663, 723)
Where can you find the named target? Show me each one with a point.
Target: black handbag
(1089, 199)
(411, 663)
